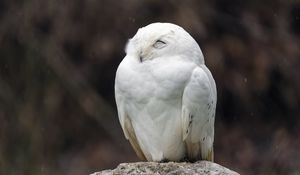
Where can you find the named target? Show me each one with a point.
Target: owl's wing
(127, 125)
(198, 113)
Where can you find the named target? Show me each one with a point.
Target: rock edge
(169, 168)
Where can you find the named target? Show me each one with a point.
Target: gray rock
(170, 168)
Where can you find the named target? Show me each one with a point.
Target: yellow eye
(159, 44)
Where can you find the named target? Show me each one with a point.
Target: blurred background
(57, 66)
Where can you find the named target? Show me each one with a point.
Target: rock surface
(170, 168)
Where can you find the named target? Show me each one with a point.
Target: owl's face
(159, 40)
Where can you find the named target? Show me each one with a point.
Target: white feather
(198, 112)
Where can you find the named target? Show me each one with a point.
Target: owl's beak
(142, 56)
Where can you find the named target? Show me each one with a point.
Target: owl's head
(159, 40)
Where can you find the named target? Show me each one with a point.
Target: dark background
(58, 61)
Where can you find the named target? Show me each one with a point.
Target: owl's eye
(159, 44)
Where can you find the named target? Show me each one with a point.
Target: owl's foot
(164, 160)
(185, 159)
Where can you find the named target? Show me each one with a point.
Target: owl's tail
(199, 151)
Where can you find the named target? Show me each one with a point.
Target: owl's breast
(159, 78)
(171, 76)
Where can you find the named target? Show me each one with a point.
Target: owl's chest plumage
(159, 78)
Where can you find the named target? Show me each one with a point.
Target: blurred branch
(5, 92)
(92, 103)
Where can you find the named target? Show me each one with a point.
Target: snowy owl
(166, 97)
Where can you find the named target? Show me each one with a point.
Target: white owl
(166, 96)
